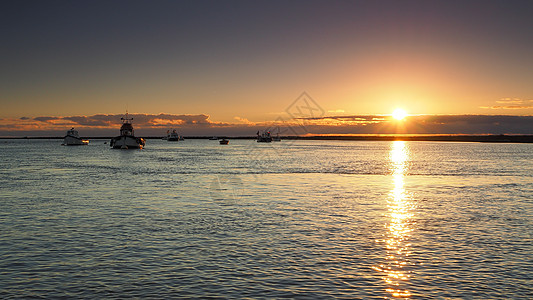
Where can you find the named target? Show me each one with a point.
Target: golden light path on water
(399, 214)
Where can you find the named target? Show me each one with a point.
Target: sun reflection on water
(395, 268)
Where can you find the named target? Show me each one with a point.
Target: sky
(231, 67)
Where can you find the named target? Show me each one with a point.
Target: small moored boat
(223, 142)
(264, 137)
(173, 136)
(127, 139)
(73, 139)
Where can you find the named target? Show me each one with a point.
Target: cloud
(140, 120)
(165, 120)
(354, 120)
(46, 119)
(157, 124)
(104, 122)
(510, 103)
(517, 101)
(507, 107)
(421, 124)
(244, 120)
(92, 121)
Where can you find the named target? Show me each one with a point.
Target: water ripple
(312, 219)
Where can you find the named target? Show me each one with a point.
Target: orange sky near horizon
(251, 61)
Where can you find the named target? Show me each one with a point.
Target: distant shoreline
(433, 138)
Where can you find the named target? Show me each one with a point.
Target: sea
(295, 219)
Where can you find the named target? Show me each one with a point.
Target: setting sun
(399, 114)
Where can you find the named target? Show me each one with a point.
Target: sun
(399, 114)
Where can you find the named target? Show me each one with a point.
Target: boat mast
(126, 128)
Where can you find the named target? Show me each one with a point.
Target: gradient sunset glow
(230, 67)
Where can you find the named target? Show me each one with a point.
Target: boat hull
(127, 142)
(264, 139)
(74, 141)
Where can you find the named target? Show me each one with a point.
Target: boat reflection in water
(395, 268)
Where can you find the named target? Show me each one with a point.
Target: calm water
(296, 219)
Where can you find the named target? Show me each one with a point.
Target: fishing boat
(173, 136)
(264, 137)
(73, 139)
(127, 139)
(223, 142)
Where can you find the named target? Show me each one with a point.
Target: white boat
(213, 138)
(173, 136)
(264, 137)
(73, 139)
(127, 139)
